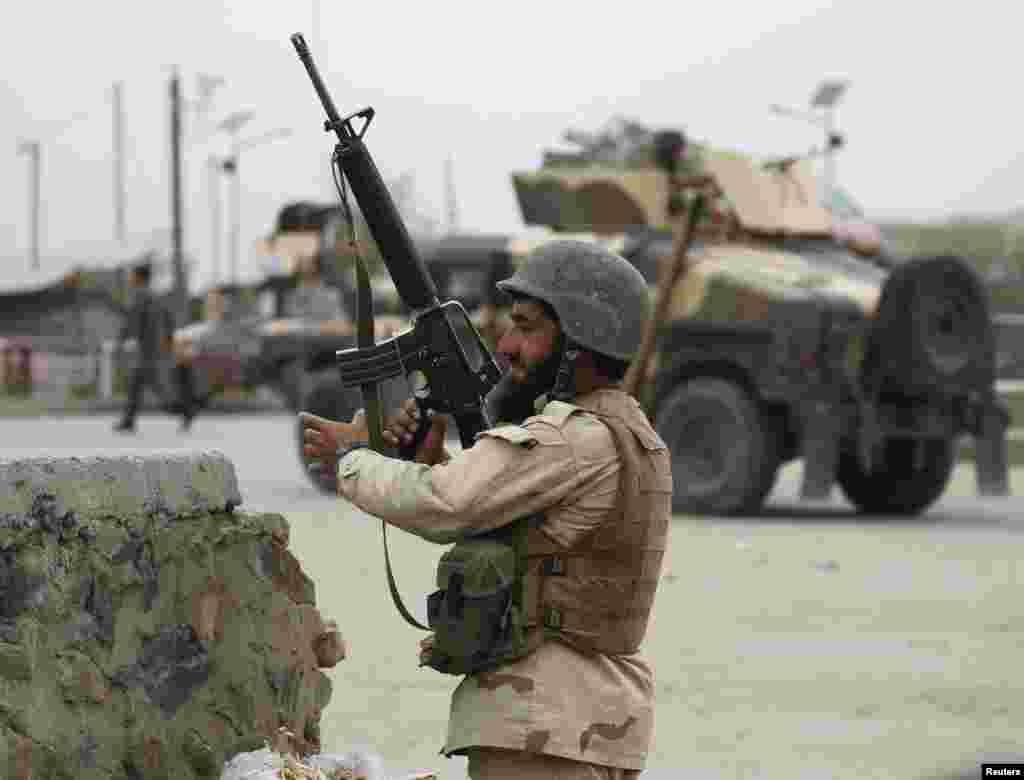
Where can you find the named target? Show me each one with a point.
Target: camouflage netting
(147, 630)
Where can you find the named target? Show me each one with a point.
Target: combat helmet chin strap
(564, 387)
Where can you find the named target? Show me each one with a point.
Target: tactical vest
(503, 594)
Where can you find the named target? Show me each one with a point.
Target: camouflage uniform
(558, 703)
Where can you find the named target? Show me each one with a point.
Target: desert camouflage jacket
(586, 707)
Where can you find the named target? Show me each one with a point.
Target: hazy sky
(931, 116)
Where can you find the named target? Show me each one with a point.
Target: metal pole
(118, 160)
(177, 206)
(453, 205)
(31, 148)
(829, 160)
(36, 204)
(236, 209)
(213, 178)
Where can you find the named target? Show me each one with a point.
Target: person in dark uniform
(149, 322)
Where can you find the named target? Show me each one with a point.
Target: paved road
(805, 643)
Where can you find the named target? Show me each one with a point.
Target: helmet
(601, 300)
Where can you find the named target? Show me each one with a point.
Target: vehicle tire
(771, 462)
(898, 485)
(327, 399)
(724, 458)
(933, 329)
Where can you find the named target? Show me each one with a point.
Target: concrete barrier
(147, 629)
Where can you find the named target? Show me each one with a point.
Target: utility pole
(453, 204)
(236, 209)
(177, 207)
(118, 160)
(31, 148)
(213, 184)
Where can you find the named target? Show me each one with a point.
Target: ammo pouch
(477, 614)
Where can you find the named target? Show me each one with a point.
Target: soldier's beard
(511, 401)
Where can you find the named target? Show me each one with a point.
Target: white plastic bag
(267, 764)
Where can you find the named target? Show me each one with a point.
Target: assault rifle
(448, 364)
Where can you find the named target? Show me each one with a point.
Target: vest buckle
(553, 567)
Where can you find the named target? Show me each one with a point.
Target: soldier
(312, 298)
(582, 486)
(192, 340)
(149, 322)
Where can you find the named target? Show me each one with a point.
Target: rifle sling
(374, 417)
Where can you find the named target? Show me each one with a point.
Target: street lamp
(213, 167)
(230, 166)
(232, 124)
(824, 99)
(31, 148)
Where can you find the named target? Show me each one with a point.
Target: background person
(150, 323)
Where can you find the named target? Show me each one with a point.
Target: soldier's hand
(322, 438)
(426, 646)
(403, 425)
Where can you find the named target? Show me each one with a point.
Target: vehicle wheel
(724, 459)
(904, 481)
(774, 442)
(933, 328)
(327, 399)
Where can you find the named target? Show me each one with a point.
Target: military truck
(257, 344)
(786, 340)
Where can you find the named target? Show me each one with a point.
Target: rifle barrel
(413, 282)
(333, 116)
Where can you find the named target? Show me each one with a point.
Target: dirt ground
(806, 643)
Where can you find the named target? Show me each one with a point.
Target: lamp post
(117, 101)
(31, 148)
(213, 164)
(230, 166)
(824, 99)
(232, 125)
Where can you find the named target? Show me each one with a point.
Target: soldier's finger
(410, 407)
(311, 434)
(315, 449)
(403, 425)
(311, 420)
(406, 417)
(394, 430)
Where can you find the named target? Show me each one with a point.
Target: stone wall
(147, 629)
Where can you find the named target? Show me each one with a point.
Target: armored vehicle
(785, 339)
